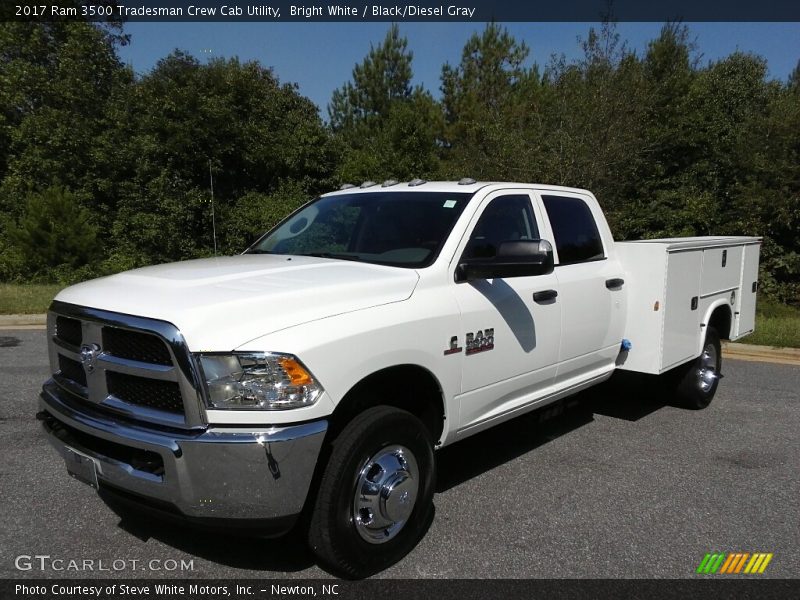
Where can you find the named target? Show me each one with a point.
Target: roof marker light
(466, 181)
(346, 186)
(416, 182)
(389, 183)
(367, 184)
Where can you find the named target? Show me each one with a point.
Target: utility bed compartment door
(681, 316)
(722, 269)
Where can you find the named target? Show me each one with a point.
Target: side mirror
(520, 258)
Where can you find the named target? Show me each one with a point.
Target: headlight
(258, 381)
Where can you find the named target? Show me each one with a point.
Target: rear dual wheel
(697, 381)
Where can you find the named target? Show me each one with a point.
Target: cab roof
(464, 186)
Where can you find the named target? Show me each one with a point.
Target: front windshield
(404, 229)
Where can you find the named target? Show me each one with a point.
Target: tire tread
(331, 551)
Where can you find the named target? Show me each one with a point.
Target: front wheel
(376, 493)
(697, 381)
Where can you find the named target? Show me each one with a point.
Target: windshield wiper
(257, 251)
(333, 255)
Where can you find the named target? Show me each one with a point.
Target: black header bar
(401, 11)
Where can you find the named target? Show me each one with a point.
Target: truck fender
(720, 315)
(430, 406)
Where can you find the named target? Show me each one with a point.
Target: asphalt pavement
(619, 484)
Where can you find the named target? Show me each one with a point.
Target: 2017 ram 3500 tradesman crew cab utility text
(316, 373)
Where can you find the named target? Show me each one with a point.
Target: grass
(776, 324)
(26, 299)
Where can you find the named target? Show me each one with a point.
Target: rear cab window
(574, 229)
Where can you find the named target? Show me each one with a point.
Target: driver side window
(505, 219)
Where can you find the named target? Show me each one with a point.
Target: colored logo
(720, 563)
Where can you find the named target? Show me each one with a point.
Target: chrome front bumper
(245, 474)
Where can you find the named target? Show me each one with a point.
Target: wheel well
(721, 321)
(409, 387)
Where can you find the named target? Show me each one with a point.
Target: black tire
(378, 448)
(697, 381)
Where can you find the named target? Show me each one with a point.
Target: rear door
(590, 285)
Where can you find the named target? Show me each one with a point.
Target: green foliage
(55, 83)
(402, 146)
(383, 78)
(491, 70)
(101, 171)
(141, 153)
(27, 299)
(12, 260)
(55, 231)
(490, 99)
(385, 128)
(187, 123)
(254, 213)
(776, 325)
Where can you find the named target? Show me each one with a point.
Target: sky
(319, 57)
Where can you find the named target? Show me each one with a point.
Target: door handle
(545, 295)
(615, 283)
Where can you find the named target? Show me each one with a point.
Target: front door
(511, 327)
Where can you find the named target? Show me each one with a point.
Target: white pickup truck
(315, 374)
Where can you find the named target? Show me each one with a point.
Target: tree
(55, 230)
(385, 127)
(55, 83)
(595, 112)
(794, 78)
(381, 79)
(488, 99)
(186, 122)
(243, 221)
(658, 200)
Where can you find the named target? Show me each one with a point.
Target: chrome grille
(72, 370)
(161, 395)
(135, 367)
(69, 330)
(135, 346)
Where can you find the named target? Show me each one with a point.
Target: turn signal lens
(297, 374)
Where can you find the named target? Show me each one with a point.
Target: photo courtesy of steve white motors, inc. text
(170, 589)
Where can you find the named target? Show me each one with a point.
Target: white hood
(221, 303)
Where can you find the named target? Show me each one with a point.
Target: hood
(221, 303)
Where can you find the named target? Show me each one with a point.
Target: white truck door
(591, 287)
(511, 327)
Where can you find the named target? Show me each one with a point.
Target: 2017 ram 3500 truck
(316, 373)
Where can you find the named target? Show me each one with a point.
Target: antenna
(213, 216)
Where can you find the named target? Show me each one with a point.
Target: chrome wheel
(696, 382)
(707, 372)
(375, 496)
(385, 494)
